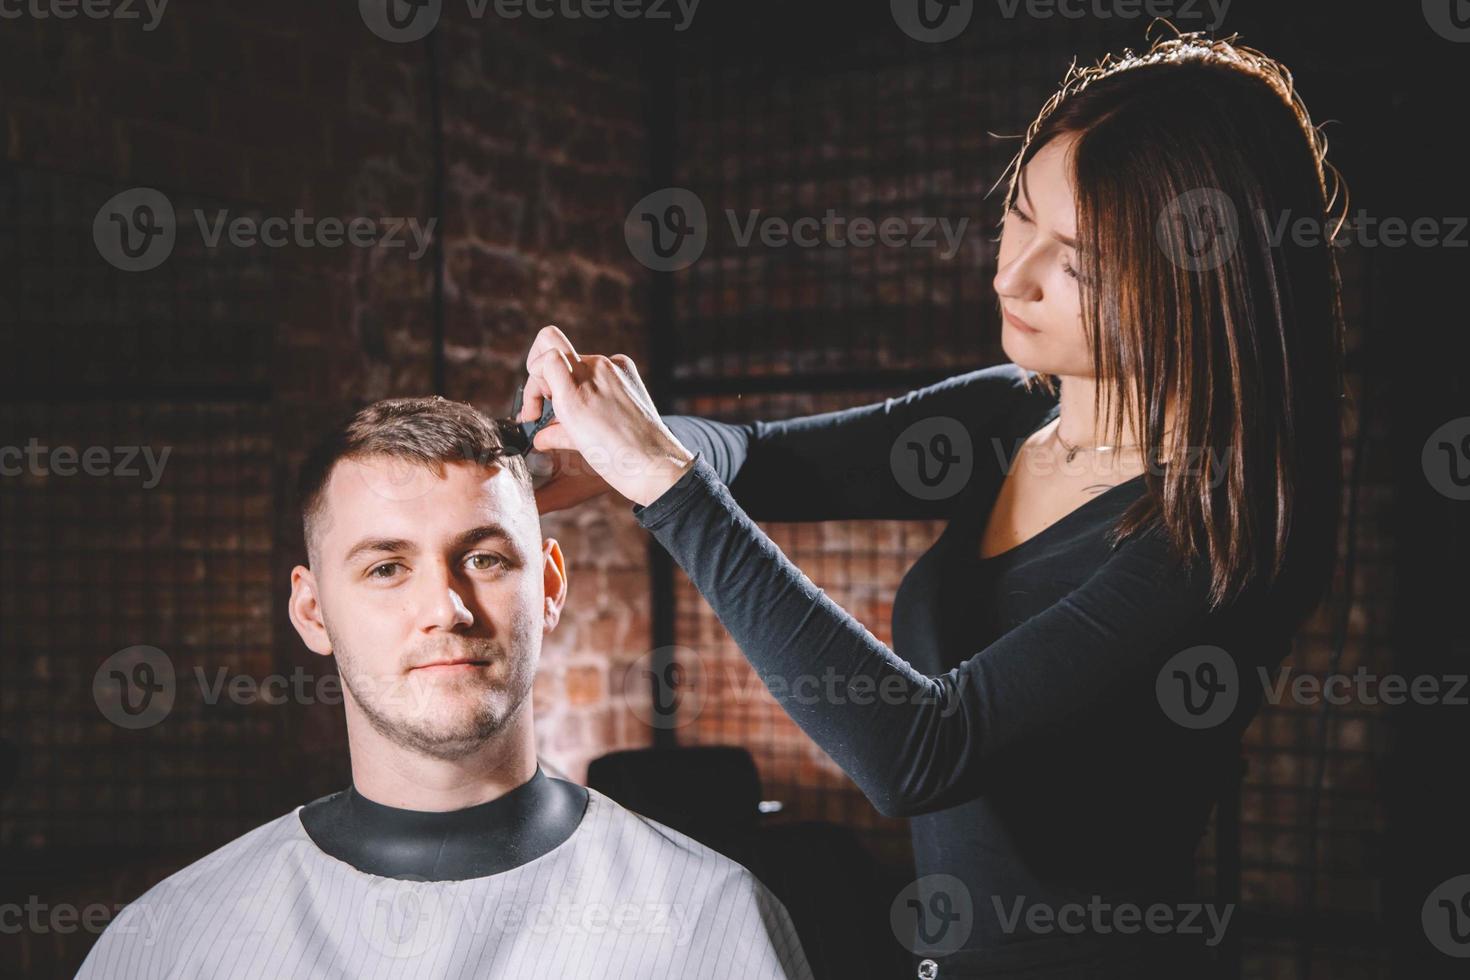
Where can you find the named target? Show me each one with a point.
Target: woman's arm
(842, 465)
(913, 743)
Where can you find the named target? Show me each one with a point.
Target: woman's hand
(607, 432)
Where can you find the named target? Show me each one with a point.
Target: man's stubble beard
(417, 727)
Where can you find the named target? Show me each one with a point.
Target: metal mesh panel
(141, 515)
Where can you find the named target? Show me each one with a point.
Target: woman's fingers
(548, 339)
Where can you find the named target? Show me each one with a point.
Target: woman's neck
(1078, 421)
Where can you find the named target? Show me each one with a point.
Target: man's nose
(440, 603)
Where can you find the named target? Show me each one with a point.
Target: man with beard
(451, 853)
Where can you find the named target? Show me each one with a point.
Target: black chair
(834, 891)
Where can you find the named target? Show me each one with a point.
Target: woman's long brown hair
(1245, 339)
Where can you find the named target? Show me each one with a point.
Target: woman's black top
(1018, 718)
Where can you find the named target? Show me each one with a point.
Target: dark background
(531, 140)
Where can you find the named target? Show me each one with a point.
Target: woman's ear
(554, 583)
(305, 609)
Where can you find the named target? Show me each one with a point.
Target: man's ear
(554, 583)
(305, 610)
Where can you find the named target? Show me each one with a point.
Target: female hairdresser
(1150, 511)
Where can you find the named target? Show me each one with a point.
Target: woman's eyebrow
(1026, 193)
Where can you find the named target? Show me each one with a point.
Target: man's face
(433, 592)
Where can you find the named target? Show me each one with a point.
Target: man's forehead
(380, 489)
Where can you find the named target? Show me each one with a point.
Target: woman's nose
(1016, 279)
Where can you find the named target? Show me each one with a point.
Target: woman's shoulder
(999, 390)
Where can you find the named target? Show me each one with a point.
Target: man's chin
(447, 738)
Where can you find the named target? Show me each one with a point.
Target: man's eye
(483, 563)
(377, 571)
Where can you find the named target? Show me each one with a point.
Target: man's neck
(398, 776)
(409, 814)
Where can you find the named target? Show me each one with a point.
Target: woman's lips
(1017, 322)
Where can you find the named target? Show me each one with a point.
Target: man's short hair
(428, 431)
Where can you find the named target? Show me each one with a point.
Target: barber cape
(622, 897)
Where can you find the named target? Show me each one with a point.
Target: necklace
(1072, 450)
